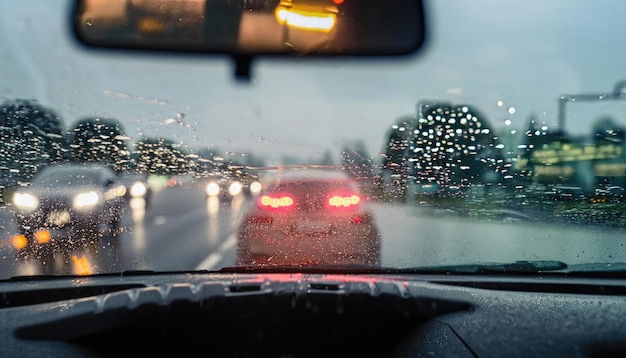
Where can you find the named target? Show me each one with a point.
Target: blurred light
(511, 110)
(25, 201)
(338, 2)
(276, 202)
(19, 241)
(82, 267)
(306, 20)
(138, 189)
(281, 15)
(86, 200)
(213, 206)
(343, 201)
(212, 189)
(116, 192)
(500, 103)
(507, 122)
(150, 25)
(137, 204)
(43, 236)
(255, 187)
(235, 188)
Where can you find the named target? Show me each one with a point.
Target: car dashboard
(303, 315)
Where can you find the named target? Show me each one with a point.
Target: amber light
(43, 236)
(308, 21)
(19, 241)
(82, 266)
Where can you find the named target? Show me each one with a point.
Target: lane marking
(210, 261)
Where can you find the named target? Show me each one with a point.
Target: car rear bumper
(359, 247)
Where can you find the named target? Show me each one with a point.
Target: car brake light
(344, 201)
(276, 201)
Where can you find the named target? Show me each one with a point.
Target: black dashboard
(305, 315)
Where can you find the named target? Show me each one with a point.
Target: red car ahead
(309, 217)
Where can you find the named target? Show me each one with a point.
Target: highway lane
(183, 230)
(177, 231)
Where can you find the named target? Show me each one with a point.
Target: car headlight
(212, 189)
(235, 188)
(86, 200)
(138, 190)
(255, 187)
(25, 201)
(115, 192)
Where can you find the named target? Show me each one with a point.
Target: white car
(69, 202)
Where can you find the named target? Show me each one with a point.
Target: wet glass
(502, 140)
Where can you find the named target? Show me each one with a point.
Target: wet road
(180, 230)
(183, 230)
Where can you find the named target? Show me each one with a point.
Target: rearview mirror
(254, 27)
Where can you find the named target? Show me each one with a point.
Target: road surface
(183, 230)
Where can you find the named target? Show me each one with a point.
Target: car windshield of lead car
(52, 177)
(502, 140)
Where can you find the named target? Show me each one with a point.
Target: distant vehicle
(225, 187)
(137, 186)
(71, 202)
(309, 217)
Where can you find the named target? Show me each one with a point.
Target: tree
(454, 145)
(100, 140)
(162, 156)
(31, 136)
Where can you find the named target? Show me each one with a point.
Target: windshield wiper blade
(517, 267)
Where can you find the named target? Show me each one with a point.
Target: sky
(522, 53)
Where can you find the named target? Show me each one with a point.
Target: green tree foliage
(100, 140)
(31, 135)
(163, 157)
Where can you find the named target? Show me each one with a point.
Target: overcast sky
(523, 53)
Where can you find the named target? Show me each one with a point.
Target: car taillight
(281, 201)
(343, 200)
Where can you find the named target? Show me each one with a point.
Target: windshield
(501, 141)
